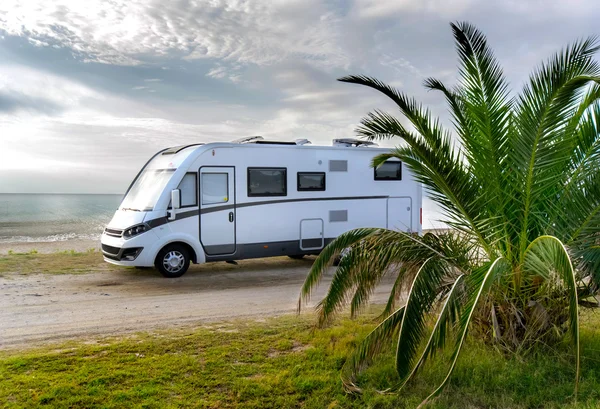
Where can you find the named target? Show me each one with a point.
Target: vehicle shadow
(266, 272)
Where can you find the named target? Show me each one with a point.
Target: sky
(89, 90)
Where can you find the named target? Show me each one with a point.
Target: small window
(215, 188)
(267, 182)
(390, 170)
(188, 191)
(311, 181)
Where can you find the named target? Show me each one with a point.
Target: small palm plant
(518, 184)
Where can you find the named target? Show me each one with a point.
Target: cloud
(108, 83)
(232, 73)
(389, 8)
(27, 88)
(12, 103)
(132, 32)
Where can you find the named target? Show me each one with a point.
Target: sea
(31, 218)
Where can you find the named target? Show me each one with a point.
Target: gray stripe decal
(162, 220)
(268, 202)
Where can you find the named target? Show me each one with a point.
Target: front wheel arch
(177, 252)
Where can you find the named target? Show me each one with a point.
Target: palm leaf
(421, 297)
(369, 348)
(326, 257)
(480, 284)
(447, 318)
(545, 256)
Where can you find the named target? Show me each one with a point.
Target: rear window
(389, 170)
(311, 181)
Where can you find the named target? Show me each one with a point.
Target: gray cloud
(133, 32)
(14, 102)
(112, 82)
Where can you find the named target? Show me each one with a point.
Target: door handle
(231, 217)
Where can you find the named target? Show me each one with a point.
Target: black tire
(166, 258)
(297, 256)
(336, 261)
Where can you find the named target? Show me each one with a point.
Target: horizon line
(55, 193)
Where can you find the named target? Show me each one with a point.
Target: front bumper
(133, 252)
(121, 254)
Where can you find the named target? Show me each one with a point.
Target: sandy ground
(50, 247)
(39, 308)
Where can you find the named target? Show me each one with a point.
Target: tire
(297, 256)
(172, 261)
(336, 261)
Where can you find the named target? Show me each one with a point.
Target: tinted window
(311, 181)
(389, 171)
(214, 188)
(267, 182)
(187, 187)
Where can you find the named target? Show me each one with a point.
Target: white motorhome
(255, 198)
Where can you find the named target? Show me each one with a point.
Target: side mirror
(175, 202)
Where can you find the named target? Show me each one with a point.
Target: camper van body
(250, 200)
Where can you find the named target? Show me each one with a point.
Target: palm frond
(421, 297)
(480, 285)
(326, 258)
(444, 324)
(545, 256)
(544, 108)
(369, 348)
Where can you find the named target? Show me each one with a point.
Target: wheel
(336, 261)
(297, 256)
(172, 261)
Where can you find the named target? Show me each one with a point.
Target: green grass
(281, 363)
(64, 262)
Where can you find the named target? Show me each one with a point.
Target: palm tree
(517, 182)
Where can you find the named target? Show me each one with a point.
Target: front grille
(110, 249)
(113, 232)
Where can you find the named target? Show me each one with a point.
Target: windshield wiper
(132, 209)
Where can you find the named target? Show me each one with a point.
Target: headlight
(135, 230)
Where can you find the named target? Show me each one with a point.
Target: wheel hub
(173, 261)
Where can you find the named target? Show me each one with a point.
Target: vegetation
(64, 262)
(517, 181)
(278, 363)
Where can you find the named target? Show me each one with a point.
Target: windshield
(146, 190)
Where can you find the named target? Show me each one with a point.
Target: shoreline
(46, 247)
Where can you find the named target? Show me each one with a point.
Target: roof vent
(349, 142)
(259, 140)
(249, 139)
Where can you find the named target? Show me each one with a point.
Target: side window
(389, 170)
(267, 182)
(311, 181)
(188, 190)
(215, 188)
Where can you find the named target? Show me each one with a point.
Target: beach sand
(50, 247)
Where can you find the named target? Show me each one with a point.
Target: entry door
(399, 214)
(217, 210)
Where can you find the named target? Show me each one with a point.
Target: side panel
(217, 210)
(399, 214)
(311, 234)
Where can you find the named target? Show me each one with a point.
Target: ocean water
(54, 217)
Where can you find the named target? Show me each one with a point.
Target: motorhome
(253, 198)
